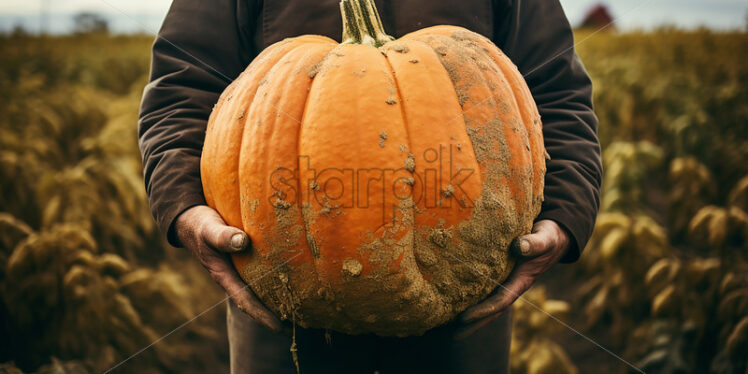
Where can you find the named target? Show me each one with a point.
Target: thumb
(535, 244)
(222, 237)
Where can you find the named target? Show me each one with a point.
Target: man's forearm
(197, 53)
(563, 93)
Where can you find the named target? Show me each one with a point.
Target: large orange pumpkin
(381, 180)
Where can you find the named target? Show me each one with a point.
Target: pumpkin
(381, 181)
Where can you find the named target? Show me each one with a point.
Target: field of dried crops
(86, 280)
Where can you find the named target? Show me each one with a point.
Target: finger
(223, 272)
(535, 244)
(515, 286)
(469, 329)
(249, 303)
(221, 237)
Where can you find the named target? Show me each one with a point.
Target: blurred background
(86, 281)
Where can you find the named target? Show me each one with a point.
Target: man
(203, 45)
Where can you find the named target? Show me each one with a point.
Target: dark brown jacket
(204, 44)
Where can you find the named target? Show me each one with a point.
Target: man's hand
(206, 235)
(537, 252)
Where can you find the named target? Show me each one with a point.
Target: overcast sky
(146, 15)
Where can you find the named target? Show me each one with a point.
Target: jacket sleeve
(199, 50)
(537, 36)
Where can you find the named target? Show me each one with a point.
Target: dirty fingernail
(237, 241)
(524, 247)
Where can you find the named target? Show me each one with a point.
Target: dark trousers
(257, 350)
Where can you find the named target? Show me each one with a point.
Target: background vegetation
(86, 280)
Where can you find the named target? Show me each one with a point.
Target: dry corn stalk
(533, 350)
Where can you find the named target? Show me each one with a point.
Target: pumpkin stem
(361, 23)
